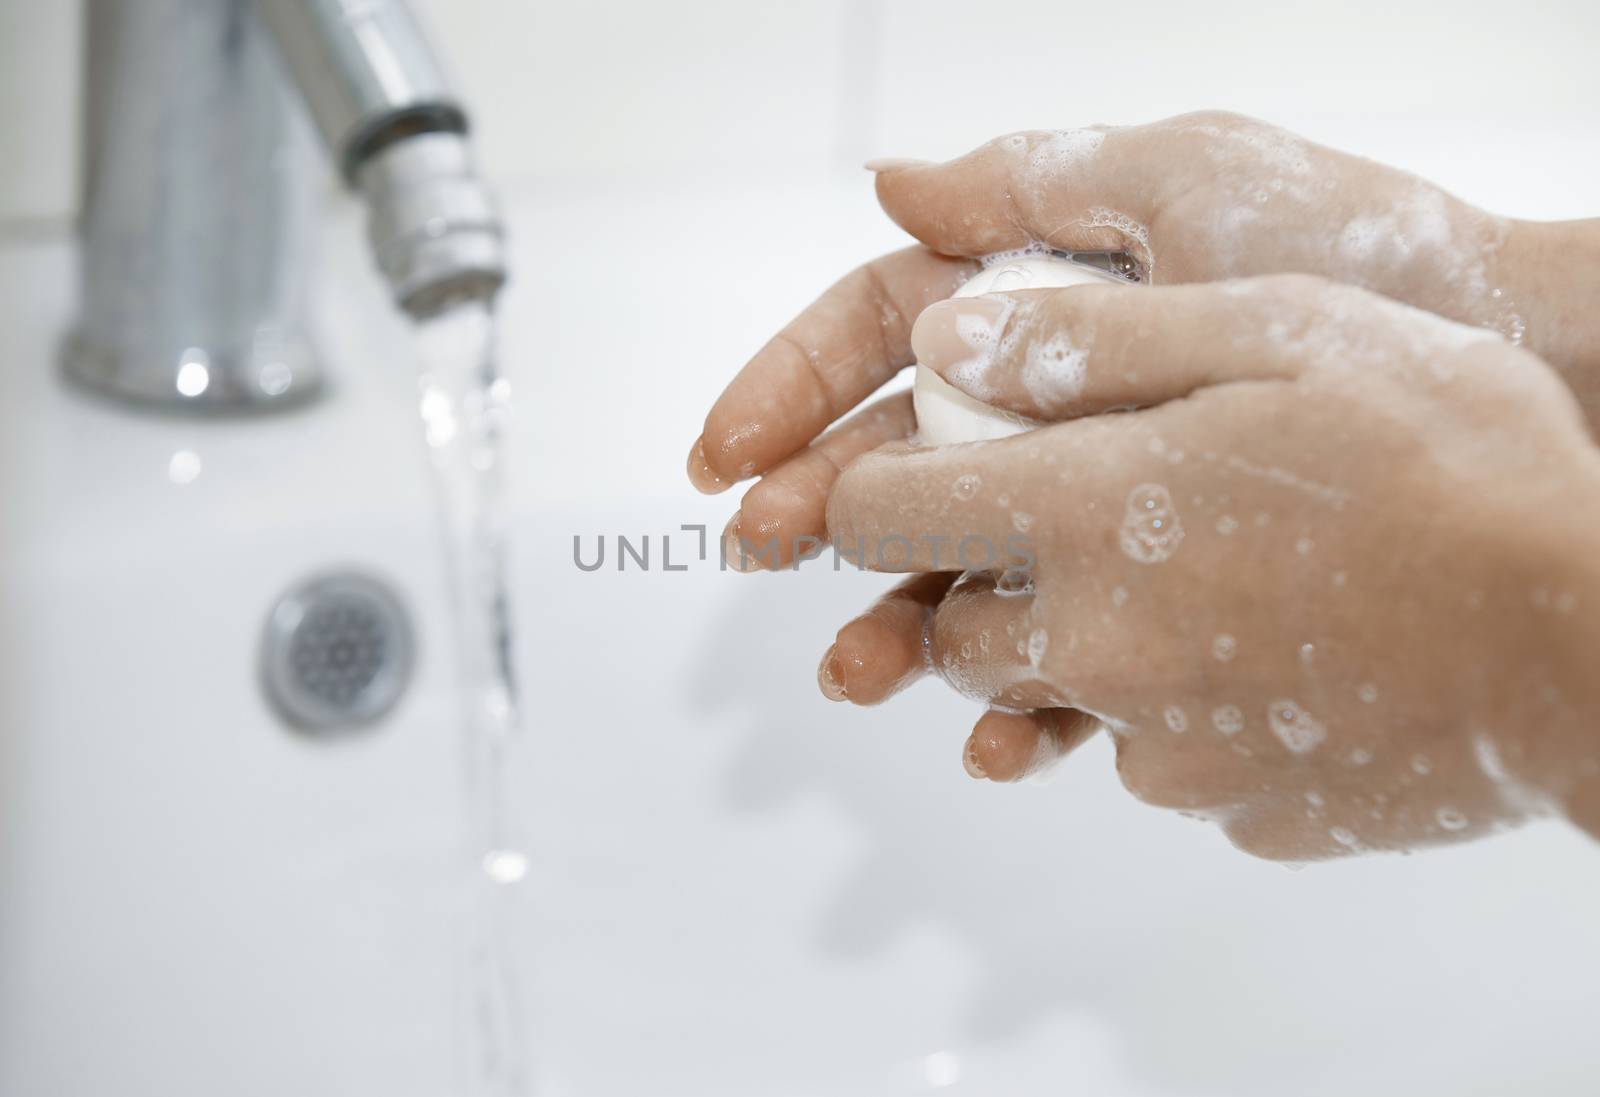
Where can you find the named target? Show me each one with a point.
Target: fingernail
(950, 332)
(701, 475)
(738, 555)
(830, 675)
(893, 163)
(969, 759)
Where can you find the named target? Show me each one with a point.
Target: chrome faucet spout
(198, 191)
(398, 133)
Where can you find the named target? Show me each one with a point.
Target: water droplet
(1227, 524)
(1176, 719)
(1450, 819)
(1013, 582)
(1360, 757)
(941, 1069)
(1304, 546)
(966, 487)
(505, 866)
(1224, 647)
(1368, 693)
(184, 467)
(1420, 765)
(1308, 652)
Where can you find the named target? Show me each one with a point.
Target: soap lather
(945, 414)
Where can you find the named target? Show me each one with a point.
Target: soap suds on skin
(1296, 729)
(1054, 372)
(1151, 530)
(956, 408)
(1060, 151)
(987, 340)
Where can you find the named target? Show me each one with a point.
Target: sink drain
(336, 654)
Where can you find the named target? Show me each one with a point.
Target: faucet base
(277, 369)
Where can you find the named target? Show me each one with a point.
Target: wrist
(1546, 718)
(1549, 282)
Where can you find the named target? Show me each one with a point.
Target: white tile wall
(1496, 101)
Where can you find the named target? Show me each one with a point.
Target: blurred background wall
(1497, 101)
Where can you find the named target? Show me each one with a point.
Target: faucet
(198, 189)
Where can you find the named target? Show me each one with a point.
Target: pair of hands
(1329, 584)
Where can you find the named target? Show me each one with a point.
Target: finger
(830, 358)
(884, 650)
(1076, 190)
(910, 508)
(1095, 483)
(1008, 746)
(785, 514)
(1063, 353)
(985, 645)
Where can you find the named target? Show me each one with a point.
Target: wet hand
(1196, 198)
(1327, 587)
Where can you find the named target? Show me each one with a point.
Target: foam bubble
(1345, 837)
(1151, 531)
(1296, 728)
(1054, 371)
(1227, 719)
(1069, 147)
(1038, 642)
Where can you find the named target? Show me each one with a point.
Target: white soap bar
(945, 414)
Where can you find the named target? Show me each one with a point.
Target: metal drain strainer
(336, 654)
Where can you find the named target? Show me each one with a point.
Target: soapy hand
(1331, 586)
(1200, 197)
(1437, 697)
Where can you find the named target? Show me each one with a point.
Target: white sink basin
(736, 888)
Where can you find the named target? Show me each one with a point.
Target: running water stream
(465, 405)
